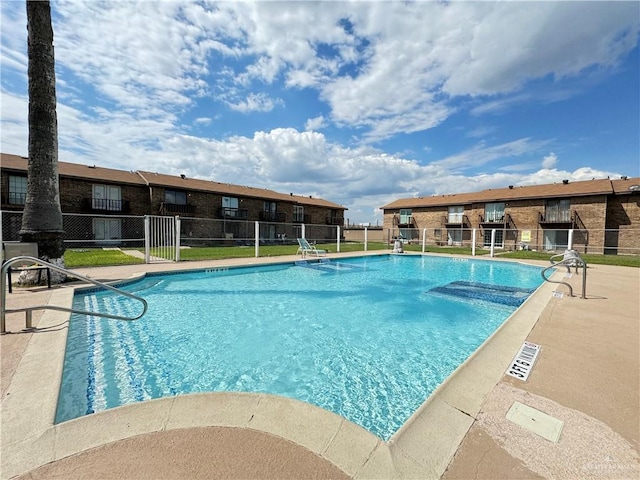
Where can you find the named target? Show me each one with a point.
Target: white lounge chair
(304, 248)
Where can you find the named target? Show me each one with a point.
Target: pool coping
(417, 449)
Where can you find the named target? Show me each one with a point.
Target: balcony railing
(456, 219)
(555, 215)
(235, 213)
(495, 218)
(335, 221)
(105, 205)
(301, 218)
(173, 208)
(402, 220)
(272, 216)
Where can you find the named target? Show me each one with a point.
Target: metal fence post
(366, 238)
(147, 239)
(570, 240)
(493, 241)
(338, 239)
(257, 238)
(473, 242)
(177, 237)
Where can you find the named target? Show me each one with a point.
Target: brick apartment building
(111, 198)
(602, 215)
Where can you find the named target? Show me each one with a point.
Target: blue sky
(360, 103)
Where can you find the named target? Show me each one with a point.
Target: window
(298, 213)
(455, 214)
(454, 237)
(556, 239)
(230, 206)
(17, 190)
(175, 197)
(494, 212)
(106, 229)
(558, 211)
(106, 197)
(269, 207)
(405, 216)
(499, 239)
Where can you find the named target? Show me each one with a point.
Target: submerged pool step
(327, 265)
(513, 296)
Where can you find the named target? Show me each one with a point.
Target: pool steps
(512, 296)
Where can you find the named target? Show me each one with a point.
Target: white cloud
(416, 57)
(131, 71)
(550, 161)
(315, 123)
(255, 102)
(285, 160)
(482, 154)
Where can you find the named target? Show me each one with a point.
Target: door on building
(405, 216)
(267, 232)
(454, 237)
(106, 197)
(107, 230)
(499, 240)
(556, 239)
(230, 206)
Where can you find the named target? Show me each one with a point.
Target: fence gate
(161, 239)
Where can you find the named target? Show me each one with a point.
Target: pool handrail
(28, 310)
(570, 258)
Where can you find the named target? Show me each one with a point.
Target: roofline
(277, 196)
(454, 198)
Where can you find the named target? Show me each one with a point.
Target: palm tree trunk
(42, 216)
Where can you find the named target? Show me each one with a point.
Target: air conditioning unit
(229, 236)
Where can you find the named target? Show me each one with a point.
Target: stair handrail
(570, 258)
(28, 310)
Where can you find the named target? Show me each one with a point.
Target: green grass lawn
(97, 257)
(76, 258)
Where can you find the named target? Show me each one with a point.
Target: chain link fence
(595, 241)
(128, 232)
(86, 231)
(122, 231)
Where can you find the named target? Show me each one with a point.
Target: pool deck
(587, 376)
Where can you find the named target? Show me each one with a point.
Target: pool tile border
(416, 450)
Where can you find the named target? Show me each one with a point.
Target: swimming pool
(368, 338)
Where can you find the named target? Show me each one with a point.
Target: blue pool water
(368, 338)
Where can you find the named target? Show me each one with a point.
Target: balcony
(176, 208)
(272, 216)
(105, 205)
(233, 213)
(335, 221)
(403, 221)
(301, 219)
(457, 220)
(556, 218)
(493, 220)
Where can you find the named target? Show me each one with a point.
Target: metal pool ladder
(570, 258)
(29, 310)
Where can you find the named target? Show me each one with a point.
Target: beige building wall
(591, 214)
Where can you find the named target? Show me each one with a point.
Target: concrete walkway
(587, 376)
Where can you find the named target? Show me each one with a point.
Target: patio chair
(305, 247)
